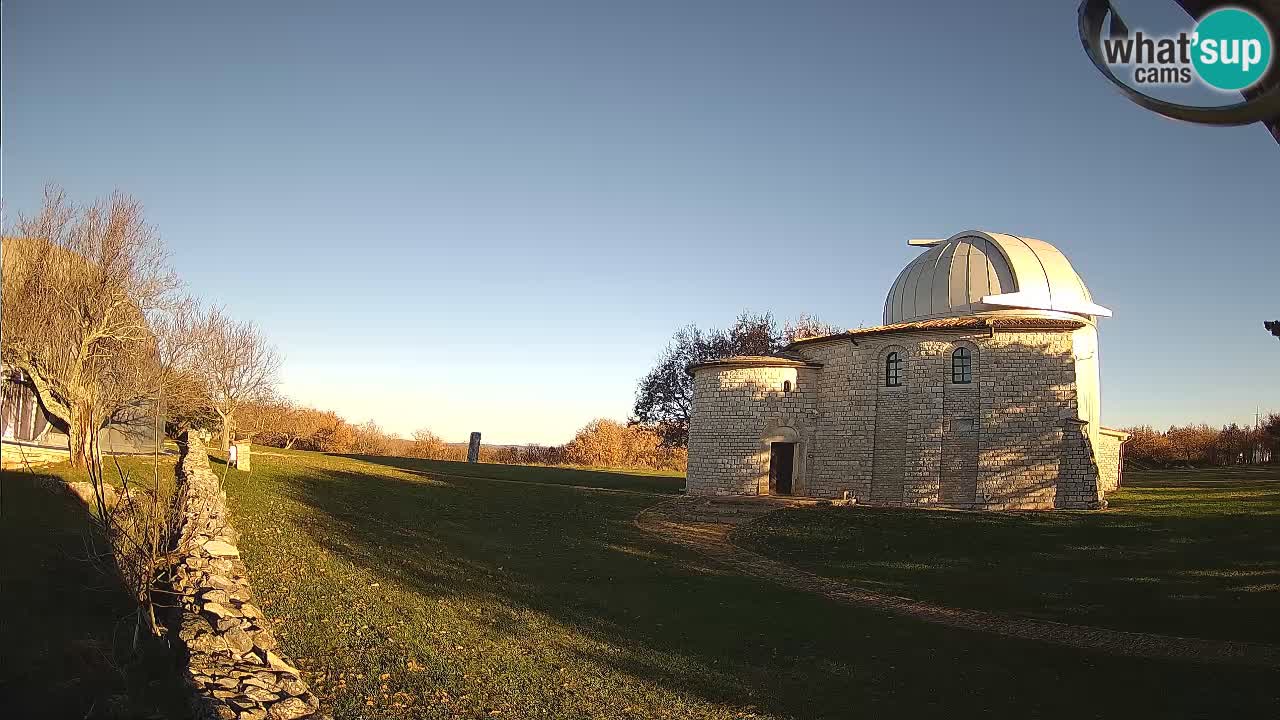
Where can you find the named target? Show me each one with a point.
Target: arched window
(893, 370)
(962, 366)
(786, 386)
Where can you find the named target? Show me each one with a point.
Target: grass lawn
(654, 481)
(421, 589)
(67, 625)
(414, 589)
(1191, 553)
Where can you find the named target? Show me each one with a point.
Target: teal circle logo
(1232, 49)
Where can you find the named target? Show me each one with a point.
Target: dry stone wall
(234, 666)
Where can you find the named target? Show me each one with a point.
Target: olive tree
(79, 286)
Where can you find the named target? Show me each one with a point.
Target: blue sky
(492, 215)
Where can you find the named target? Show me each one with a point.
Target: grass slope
(1192, 553)
(416, 589)
(68, 624)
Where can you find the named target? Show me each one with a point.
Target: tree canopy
(81, 284)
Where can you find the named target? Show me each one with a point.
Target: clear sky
(492, 215)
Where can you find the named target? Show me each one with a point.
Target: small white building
(979, 391)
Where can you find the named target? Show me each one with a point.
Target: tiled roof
(967, 322)
(781, 360)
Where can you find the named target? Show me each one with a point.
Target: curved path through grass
(706, 525)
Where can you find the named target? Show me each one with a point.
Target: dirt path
(704, 525)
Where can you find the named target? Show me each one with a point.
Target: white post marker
(242, 455)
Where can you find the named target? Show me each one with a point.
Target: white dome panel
(976, 272)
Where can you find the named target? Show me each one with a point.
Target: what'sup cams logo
(1230, 48)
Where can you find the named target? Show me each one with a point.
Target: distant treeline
(1204, 445)
(605, 443)
(600, 443)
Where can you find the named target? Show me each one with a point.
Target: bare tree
(280, 422)
(426, 444)
(335, 434)
(301, 424)
(79, 286)
(182, 396)
(370, 439)
(236, 364)
(807, 326)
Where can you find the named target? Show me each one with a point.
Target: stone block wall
(737, 410)
(958, 475)
(1077, 487)
(889, 461)
(14, 455)
(917, 444)
(1110, 458)
(844, 436)
(1028, 389)
(1010, 439)
(234, 666)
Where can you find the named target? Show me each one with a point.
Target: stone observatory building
(979, 391)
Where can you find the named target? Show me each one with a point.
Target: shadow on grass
(653, 482)
(653, 614)
(1198, 558)
(68, 626)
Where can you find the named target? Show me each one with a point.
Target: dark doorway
(782, 457)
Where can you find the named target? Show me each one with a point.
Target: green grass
(68, 624)
(412, 589)
(643, 480)
(415, 589)
(1191, 553)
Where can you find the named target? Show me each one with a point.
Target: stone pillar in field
(242, 456)
(473, 451)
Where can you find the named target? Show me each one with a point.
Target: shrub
(369, 439)
(605, 443)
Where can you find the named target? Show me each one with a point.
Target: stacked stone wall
(234, 666)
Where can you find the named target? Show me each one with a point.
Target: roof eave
(953, 324)
(752, 361)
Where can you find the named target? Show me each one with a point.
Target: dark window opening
(786, 386)
(893, 370)
(962, 366)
